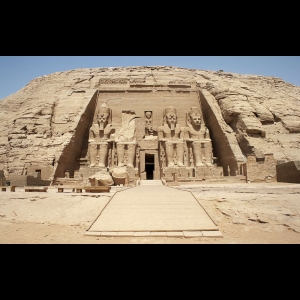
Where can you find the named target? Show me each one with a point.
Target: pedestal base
(190, 173)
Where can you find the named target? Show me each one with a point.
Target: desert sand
(255, 213)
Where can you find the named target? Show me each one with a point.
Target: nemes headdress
(104, 109)
(195, 110)
(168, 110)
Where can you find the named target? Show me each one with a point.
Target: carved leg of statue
(93, 154)
(170, 154)
(180, 154)
(120, 154)
(197, 151)
(103, 155)
(208, 154)
(126, 180)
(131, 154)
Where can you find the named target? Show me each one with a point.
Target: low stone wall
(288, 172)
(2, 178)
(18, 180)
(261, 170)
(25, 180)
(45, 171)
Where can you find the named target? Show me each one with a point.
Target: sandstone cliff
(255, 114)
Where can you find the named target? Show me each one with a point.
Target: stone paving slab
(212, 233)
(158, 233)
(126, 233)
(175, 234)
(109, 233)
(153, 209)
(189, 234)
(88, 233)
(142, 233)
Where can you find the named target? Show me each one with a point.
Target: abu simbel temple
(118, 126)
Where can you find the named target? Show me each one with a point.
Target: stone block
(109, 233)
(91, 233)
(125, 233)
(212, 233)
(148, 144)
(192, 234)
(174, 233)
(158, 233)
(142, 233)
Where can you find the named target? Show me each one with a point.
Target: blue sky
(17, 71)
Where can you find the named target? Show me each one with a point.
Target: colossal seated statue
(169, 135)
(198, 135)
(125, 140)
(99, 137)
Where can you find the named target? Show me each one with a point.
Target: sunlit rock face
(45, 126)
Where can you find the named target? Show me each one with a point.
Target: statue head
(103, 116)
(148, 114)
(170, 116)
(195, 116)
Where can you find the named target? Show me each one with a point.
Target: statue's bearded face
(171, 118)
(196, 119)
(148, 114)
(102, 117)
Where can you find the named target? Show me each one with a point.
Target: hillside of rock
(258, 114)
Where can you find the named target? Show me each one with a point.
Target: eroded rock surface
(40, 123)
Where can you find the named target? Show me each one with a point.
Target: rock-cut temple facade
(122, 125)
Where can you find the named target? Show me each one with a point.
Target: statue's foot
(92, 165)
(120, 165)
(101, 165)
(180, 164)
(130, 165)
(209, 165)
(171, 165)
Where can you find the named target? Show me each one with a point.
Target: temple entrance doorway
(149, 166)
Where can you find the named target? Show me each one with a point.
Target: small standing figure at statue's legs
(120, 154)
(191, 159)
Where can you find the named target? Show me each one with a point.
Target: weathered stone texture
(261, 169)
(288, 172)
(45, 122)
(2, 178)
(27, 180)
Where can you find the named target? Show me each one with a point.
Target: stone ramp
(151, 182)
(148, 210)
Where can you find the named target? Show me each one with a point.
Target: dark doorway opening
(38, 173)
(149, 166)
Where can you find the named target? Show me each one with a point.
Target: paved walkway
(153, 210)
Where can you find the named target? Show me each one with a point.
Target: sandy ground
(245, 214)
